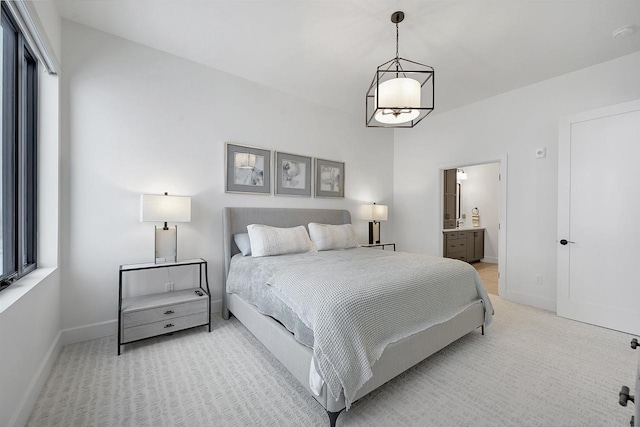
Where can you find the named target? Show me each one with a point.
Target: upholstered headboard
(235, 220)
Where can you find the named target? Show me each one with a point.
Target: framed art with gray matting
(329, 178)
(292, 175)
(248, 169)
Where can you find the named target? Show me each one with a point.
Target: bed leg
(333, 417)
(482, 329)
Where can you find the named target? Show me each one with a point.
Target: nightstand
(377, 245)
(159, 313)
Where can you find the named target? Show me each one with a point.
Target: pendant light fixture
(402, 91)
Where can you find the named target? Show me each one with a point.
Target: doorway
(480, 200)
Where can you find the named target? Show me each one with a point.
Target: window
(18, 125)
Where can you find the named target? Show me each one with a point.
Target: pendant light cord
(397, 41)
(397, 51)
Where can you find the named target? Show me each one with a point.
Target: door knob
(625, 396)
(565, 241)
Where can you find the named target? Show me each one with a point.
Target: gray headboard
(235, 220)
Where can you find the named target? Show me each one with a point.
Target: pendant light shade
(402, 91)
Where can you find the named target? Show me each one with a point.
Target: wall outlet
(168, 287)
(539, 279)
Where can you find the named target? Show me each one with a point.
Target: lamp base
(374, 232)
(166, 244)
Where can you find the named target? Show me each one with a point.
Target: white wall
(142, 121)
(513, 124)
(30, 308)
(481, 189)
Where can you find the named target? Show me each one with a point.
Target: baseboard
(22, 413)
(89, 332)
(532, 300)
(490, 260)
(106, 328)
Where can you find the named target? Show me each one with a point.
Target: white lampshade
(164, 208)
(374, 212)
(398, 99)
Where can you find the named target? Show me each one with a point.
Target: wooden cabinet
(450, 199)
(455, 245)
(465, 245)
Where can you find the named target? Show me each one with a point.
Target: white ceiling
(327, 51)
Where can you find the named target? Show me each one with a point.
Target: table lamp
(165, 208)
(374, 213)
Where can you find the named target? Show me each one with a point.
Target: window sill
(18, 289)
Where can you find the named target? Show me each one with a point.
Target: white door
(598, 218)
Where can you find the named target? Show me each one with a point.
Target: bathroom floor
(489, 275)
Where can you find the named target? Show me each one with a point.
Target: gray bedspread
(248, 278)
(358, 301)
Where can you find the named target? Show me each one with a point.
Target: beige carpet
(489, 274)
(531, 369)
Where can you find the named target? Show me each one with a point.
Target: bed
(297, 357)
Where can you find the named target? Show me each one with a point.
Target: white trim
(20, 287)
(30, 397)
(216, 307)
(89, 332)
(531, 300)
(24, 15)
(107, 328)
(610, 110)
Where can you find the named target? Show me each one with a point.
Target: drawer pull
(171, 324)
(634, 343)
(169, 312)
(625, 396)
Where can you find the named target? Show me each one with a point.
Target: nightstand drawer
(141, 317)
(163, 327)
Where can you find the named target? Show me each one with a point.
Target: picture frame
(329, 178)
(247, 169)
(292, 175)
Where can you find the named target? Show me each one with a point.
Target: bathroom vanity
(465, 244)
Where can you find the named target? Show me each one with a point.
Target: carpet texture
(531, 369)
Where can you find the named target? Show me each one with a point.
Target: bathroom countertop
(465, 228)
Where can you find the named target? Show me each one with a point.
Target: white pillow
(267, 241)
(327, 237)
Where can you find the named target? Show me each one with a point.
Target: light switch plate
(541, 153)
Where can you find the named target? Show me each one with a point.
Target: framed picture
(292, 175)
(248, 169)
(329, 178)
